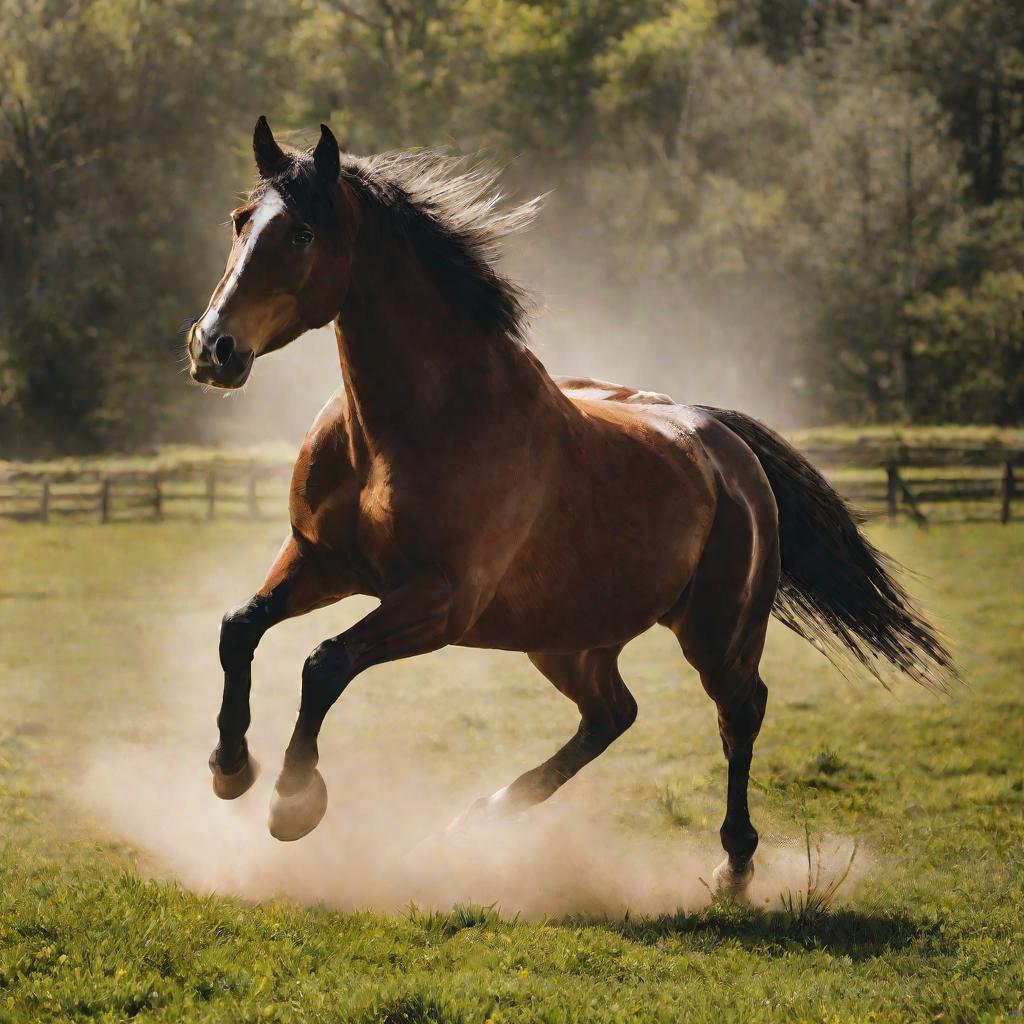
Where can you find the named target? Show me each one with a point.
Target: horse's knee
(624, 713)
(241, 630)
(759, 698)
(327, 666)
(605, 725)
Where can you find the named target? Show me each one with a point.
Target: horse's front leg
(414, 619)
(291, 588)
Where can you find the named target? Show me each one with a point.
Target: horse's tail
(837, 590)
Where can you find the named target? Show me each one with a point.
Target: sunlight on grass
(109, 640)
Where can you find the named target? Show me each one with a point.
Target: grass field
(112, 843)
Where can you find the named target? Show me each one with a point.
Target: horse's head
(289, 264)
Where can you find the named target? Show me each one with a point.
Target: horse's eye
(239, 218)
(302, 237)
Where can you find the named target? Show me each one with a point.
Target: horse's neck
(405, 355)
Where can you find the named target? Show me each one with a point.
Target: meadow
(128, 892)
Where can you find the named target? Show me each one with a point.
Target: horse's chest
(354, 514)
(324, 499)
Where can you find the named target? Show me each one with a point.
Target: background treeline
(817, 205)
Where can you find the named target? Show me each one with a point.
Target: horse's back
(589, 389)
(744, 532)
(734, 464)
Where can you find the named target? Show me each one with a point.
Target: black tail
(837, 590)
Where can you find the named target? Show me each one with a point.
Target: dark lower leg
(412, 620)
(739, 837)
(739, 725)
(592, 680)
(241, 631)
(325, 675)
(540, 783)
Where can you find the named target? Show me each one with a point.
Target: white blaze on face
(269, 207)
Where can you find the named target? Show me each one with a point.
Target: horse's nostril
(223, 349)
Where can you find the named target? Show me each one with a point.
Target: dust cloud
(379, 846)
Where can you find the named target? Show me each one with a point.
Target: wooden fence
(249, 491)
(926, 484)
(938, 484)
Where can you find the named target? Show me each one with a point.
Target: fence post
(211, 493)
(105, 500)
(911, 502)
(44, 502)
(892, 476)
(254, 507)
(158, 499)
(1007, 492)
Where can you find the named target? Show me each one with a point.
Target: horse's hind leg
(291, 588)
(736, 687)
(607, 709)
(721, 625)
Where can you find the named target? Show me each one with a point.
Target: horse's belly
(564, 621)
(599, 573)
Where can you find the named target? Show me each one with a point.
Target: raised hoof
(230, 787)
(472, 817)
(297, 814)
(731, 883)
(486, 811)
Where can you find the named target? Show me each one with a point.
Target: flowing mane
(448, 209)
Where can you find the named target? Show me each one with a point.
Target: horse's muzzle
(221, 364)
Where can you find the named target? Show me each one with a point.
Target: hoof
(470, 818)
(485, 811)
(297, 814)
(729, 882)
(230, 787)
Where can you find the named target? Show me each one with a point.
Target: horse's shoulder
(331, 422)
(324, 450)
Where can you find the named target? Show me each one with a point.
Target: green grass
(108, 637)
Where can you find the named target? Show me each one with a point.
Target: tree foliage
(840, 184)
(114, 152)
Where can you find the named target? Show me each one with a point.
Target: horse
(488, 504)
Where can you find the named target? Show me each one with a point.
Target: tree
(121, 131)
(752, 201)
(880, 196)
(967, 350)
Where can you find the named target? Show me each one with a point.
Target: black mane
(446, 210)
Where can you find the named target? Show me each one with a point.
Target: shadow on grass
(857, 934)
(841, 931)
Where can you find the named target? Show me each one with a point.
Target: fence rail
(935, 484)
(256, 491)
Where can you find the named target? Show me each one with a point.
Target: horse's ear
(270, 157)
(327, 155)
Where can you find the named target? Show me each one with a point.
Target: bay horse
(488, 504)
